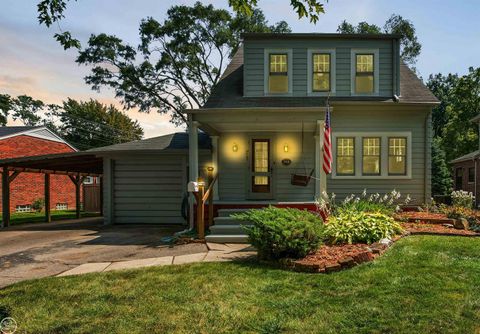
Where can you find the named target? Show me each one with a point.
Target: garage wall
(146, 189)
(149, 189)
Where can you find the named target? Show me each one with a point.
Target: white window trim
(266, 71)
(333, 75)
(376, 68)
(383, 155)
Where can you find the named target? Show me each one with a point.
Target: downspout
(427, 159)
(394, 67)
(475, 180)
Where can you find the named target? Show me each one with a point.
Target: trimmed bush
(350, 226)
(279, 233)
(463, 199)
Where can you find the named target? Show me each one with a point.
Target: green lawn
(39, 217)
(423, 284)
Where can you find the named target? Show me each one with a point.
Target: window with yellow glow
(397, 156)
(345, 156)
(364, 74)
(371, 156)
(260, 162)
(278, 74)
(321, 72)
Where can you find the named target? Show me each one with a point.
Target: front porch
(256, 152)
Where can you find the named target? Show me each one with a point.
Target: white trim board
(383, 156)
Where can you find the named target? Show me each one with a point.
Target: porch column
(215, 165)
(48, 216)
(192, 148)
(5, 198)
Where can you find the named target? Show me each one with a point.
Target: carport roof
(68, 163)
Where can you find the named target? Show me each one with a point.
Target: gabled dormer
(320, 65)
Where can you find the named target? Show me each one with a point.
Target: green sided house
(262, 130)
(266, 120)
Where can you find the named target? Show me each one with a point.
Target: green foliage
(178, 61)
(463, 199)
(26, 109)
(4, 108)
(38, 204)
(386, 204)
(92, 124)
(441, 178)
(410, 47)
(351, 226)
(279, 233)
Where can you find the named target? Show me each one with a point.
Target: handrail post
(210, 196)
(200, 210)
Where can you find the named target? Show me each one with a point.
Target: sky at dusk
(33, 63)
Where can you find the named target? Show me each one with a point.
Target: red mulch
(331, 254)
(422, 215)
(423, 228)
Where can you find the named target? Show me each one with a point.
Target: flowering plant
(462, 198)
(386, 203)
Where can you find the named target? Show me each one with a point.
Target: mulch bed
(426, 217)
(426, 228)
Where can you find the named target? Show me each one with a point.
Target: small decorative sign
(286, 162)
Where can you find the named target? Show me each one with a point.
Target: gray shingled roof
(172, 141)
(229, 91)
(11, 130)
(466, 157)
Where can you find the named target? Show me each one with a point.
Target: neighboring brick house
(466, 171)
(19, 141)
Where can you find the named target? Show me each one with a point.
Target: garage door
(149, 190)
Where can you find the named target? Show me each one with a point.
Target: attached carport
(77, 165)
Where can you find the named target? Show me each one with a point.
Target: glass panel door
(261, 173)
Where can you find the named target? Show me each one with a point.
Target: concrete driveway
(39, 250)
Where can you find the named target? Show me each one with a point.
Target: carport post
(48, 216)
(77, 180)
(5, 198)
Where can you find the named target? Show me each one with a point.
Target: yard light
(285, 148)
(235, 147)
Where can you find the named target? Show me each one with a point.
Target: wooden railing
(201, 197)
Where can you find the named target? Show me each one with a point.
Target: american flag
(327, 143)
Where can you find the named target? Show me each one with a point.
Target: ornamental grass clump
(283, 232)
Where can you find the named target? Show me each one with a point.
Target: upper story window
(365, 72)
(278, 73)
(364, 75)
(321, 72)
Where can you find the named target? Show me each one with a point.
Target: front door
(261, 171)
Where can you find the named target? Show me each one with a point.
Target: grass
(39, 217)
(423, 284)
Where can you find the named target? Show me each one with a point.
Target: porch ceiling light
(235, 147)
(285, 148)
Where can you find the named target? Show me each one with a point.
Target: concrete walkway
(215, 253)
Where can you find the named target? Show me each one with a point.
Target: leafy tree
(410, 47)
(53, 11)
(441, 177)
(460, 135)
(442, 87)
(27, 110)
(4, 108)
(93, 124)
(177, 62)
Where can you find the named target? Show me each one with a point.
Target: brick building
(19, 141)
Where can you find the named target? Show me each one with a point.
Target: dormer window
(321, 72)
(364, 74)
(278, 74)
